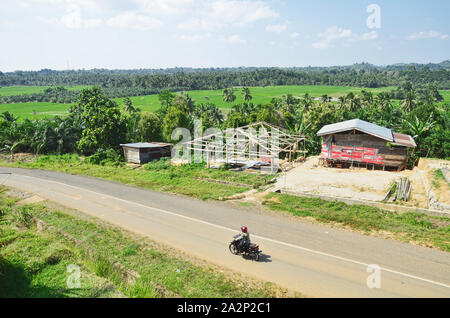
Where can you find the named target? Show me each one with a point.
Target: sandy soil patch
(356, 183)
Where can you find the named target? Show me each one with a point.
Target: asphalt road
(315, 260)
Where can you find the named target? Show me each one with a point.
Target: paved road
(313, 259)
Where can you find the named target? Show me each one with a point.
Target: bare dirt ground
(355, 183)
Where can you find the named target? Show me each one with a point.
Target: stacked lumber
(400, 190)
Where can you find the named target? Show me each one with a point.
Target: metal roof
(404, 140)
(141, 145)
(360, 125)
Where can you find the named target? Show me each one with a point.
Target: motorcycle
(252, 251)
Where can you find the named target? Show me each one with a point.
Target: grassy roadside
(191, 180)
(113, 263)
(419, 228)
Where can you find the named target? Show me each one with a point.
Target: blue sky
(76, 34)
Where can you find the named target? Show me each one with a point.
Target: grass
(191, 180)
(35, 263)
(150, 103)
(261, 95)
(420, 228)
(438, 180)
(21, 90)
(36, 110)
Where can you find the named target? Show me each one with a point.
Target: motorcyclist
(243, 239)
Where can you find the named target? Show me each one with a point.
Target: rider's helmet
(244, 229)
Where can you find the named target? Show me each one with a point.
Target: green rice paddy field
(151, 103)
(19, 90)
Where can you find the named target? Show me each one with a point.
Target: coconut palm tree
(228, 95)
(410, 101)
(247, 95)
(129, 108)
(307, 101)
(342, 101)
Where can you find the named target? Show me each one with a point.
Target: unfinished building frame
(255, 145)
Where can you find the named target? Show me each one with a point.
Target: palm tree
(409, 102)
(367, 97)
(325, 98)
(383, 100)
(8, 117)
(247, 95)
(354, 102)
(228, 95)
(342, 101)
(129, 106)
(307, 101)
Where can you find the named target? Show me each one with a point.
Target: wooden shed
(357, 142)
(144, 152)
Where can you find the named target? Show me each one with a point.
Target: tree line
(97, 125)
(359, 75)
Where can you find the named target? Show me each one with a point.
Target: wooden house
(144, 152)
(357, 142)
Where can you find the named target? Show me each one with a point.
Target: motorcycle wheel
(233, 249)
(256, 257)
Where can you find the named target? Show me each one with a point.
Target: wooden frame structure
(256, 144)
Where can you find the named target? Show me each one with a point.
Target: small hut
(357, 142)
(144, 152)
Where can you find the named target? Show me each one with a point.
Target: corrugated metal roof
(404, 140)
(360, 125)
(141, 145)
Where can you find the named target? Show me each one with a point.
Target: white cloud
(74, 20)
(47, 20)
(335, 35)
(427, 35)
(294, 35)
(193, 16)
(210, 15)
(170, 7)
(372, 35)
(235, 39)
(134, 20)
(331, 36)
(85, 4)
(277, 28)
(195, 37)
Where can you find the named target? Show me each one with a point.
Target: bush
(24, 216)
(108, 156)
(161, 164)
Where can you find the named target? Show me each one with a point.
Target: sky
(134, 34)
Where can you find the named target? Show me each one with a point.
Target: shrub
(108, 156)
(24, 216)
(161, 164)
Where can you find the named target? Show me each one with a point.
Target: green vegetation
(151, 103)
(36, 110)
(34, 261)
(191, 180)
(24, 90)
(438, 179)
(96, 123)
(261, 95)
(420, 228)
